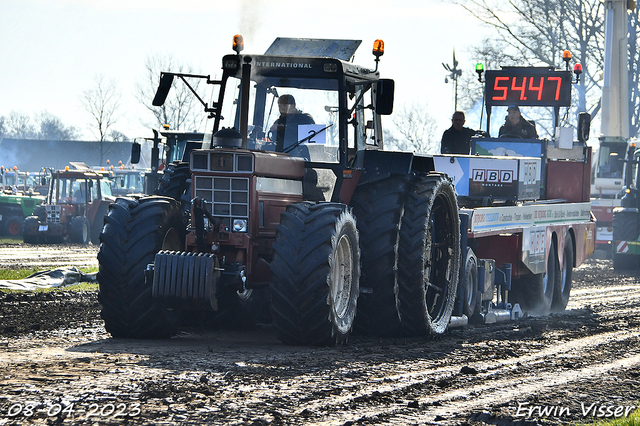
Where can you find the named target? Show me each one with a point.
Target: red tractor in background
(74, 209)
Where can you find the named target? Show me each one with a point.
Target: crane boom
(615, 89)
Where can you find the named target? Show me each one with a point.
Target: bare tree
(102, 102)
(181, 109)
(118, 136)
(45, 126)
(20, 126)
(536, 32)
(417, 129)
(52, 128)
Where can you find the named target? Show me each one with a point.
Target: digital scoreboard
(528, 87)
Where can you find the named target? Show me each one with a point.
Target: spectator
(457, 139)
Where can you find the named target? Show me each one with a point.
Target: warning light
(577, 70)
(566, 57)
(238, 43)
(66, 168)
(378, 48)
(479, 70)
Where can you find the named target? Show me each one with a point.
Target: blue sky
(52, 50)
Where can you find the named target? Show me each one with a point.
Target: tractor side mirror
(163, 89)
(135, 153)
(384, 97)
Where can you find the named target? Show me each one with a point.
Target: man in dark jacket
(516, 125)
(457, 139)
(285, 128)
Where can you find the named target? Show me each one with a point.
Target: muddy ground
(59, 366)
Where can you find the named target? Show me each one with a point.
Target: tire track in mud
(493, 383)
(249, 378)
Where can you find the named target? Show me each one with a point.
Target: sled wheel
(469, 286)
(562, 289)
(534, 292)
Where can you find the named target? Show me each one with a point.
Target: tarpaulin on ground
(58, 277)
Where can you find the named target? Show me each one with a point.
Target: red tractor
(74, 209)
(287, 214)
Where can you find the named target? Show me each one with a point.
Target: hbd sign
(493, 176)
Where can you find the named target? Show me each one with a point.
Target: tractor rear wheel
(134, 232)
(429, 255)
(378, 208)
(315, 274)
(13, 226)
(625, 228)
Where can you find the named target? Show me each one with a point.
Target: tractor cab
(302, 98)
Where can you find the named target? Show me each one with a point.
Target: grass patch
(632, 420)
(10, 240)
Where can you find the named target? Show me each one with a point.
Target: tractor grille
(53, 214)
(227, 198)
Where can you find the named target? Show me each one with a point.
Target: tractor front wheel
(79, 230)
(315, 274)
(134, 232)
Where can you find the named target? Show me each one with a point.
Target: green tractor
(15, 204)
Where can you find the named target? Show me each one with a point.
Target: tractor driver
(285, 128)
(516, 125)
